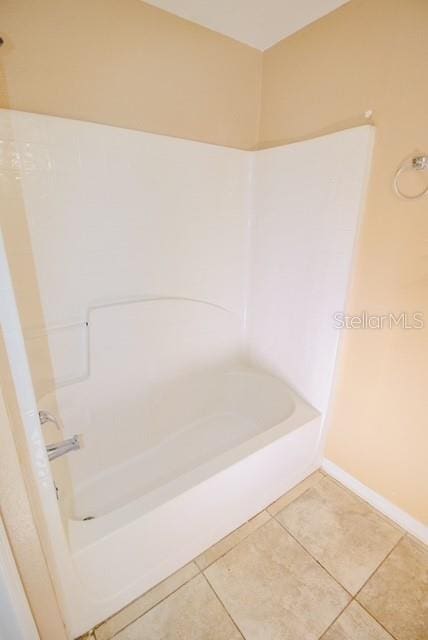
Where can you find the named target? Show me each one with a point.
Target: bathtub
(235, 441)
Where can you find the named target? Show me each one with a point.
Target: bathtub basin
(209, 420)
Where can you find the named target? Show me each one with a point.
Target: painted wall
(371, 55)
(131, 65)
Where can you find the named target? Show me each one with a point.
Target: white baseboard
(400, 517)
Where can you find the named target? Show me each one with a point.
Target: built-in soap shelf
(69, 350)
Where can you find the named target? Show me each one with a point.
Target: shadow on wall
(357, 120)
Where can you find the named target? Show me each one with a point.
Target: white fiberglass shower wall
(306, 199)
(188, 293)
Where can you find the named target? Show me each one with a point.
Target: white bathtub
(235, 440)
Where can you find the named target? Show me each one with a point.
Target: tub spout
(58, 449)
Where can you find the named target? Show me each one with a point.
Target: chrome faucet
(57, 449)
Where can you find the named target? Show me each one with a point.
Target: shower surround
(188, 293)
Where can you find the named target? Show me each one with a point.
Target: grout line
(194, 560)
(311, 486)
(265, 510)
(376, 620)
(199, 572)
(237, 543)
(336, 619)
(291, 501)
(292, 536)
(229, 615)
(368, 613)
(353, 596)
(379, 566)
(369, 578)
(313, 558)
(416, 541)
(389, 520)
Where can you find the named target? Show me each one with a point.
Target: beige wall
(371, 54)
(125, 63)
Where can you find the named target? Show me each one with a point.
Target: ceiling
(259, 23)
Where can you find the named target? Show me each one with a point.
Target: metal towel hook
(417, 163)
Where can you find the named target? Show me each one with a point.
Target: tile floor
(319, 563)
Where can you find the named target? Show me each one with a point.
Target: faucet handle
(46, 416)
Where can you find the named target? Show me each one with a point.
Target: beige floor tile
(341, 531)
(116, 623)
(356, 624)
(397, 594)
(216, 551)
(191, 613)
(294, 493)
(274, 590)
